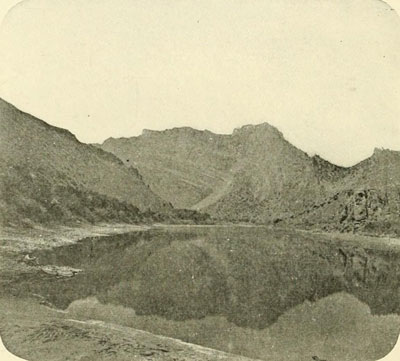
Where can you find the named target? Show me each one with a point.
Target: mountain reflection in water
(240, 289)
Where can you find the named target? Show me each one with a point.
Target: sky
(324, 72)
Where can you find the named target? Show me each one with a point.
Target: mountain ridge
(264, 179)
(252, 175)
(146, 131)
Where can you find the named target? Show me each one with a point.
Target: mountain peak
(176, 131)
(382, 150)
(263, 128)
(384, 153)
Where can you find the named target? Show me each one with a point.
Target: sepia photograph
(188, 180)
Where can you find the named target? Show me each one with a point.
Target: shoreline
(54, 335)
(17, 243)
(38, 238)
(35, 314)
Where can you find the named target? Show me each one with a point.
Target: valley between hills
(234, 243)
(183, 175)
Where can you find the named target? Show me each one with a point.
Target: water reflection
(250, 276)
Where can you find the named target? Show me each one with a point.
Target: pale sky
(325, 72)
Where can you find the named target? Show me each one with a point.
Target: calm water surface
(194, 277)
(249, 274)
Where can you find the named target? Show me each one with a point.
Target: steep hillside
(272, 179)
(252, 175)
(367, 198)
(255, 175)
(46, 174)
(182, 165)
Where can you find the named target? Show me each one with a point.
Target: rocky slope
(183, 165)
(255, 175)
(197, 169)
(368, 196)
(271, 179)
(47, 175)
(251, 175)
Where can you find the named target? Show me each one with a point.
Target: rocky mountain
(252, 175)
(244, 176)
(47, 175)
(271, 179)
(368, 196)
(255, 175)
(182, 165)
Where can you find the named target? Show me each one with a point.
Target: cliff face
(366, 197)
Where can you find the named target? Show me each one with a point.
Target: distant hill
(182, 175)
(271, 179)
(47, 175)
(182, 165)
(255, 175)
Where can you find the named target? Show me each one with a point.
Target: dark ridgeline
(252, 175)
